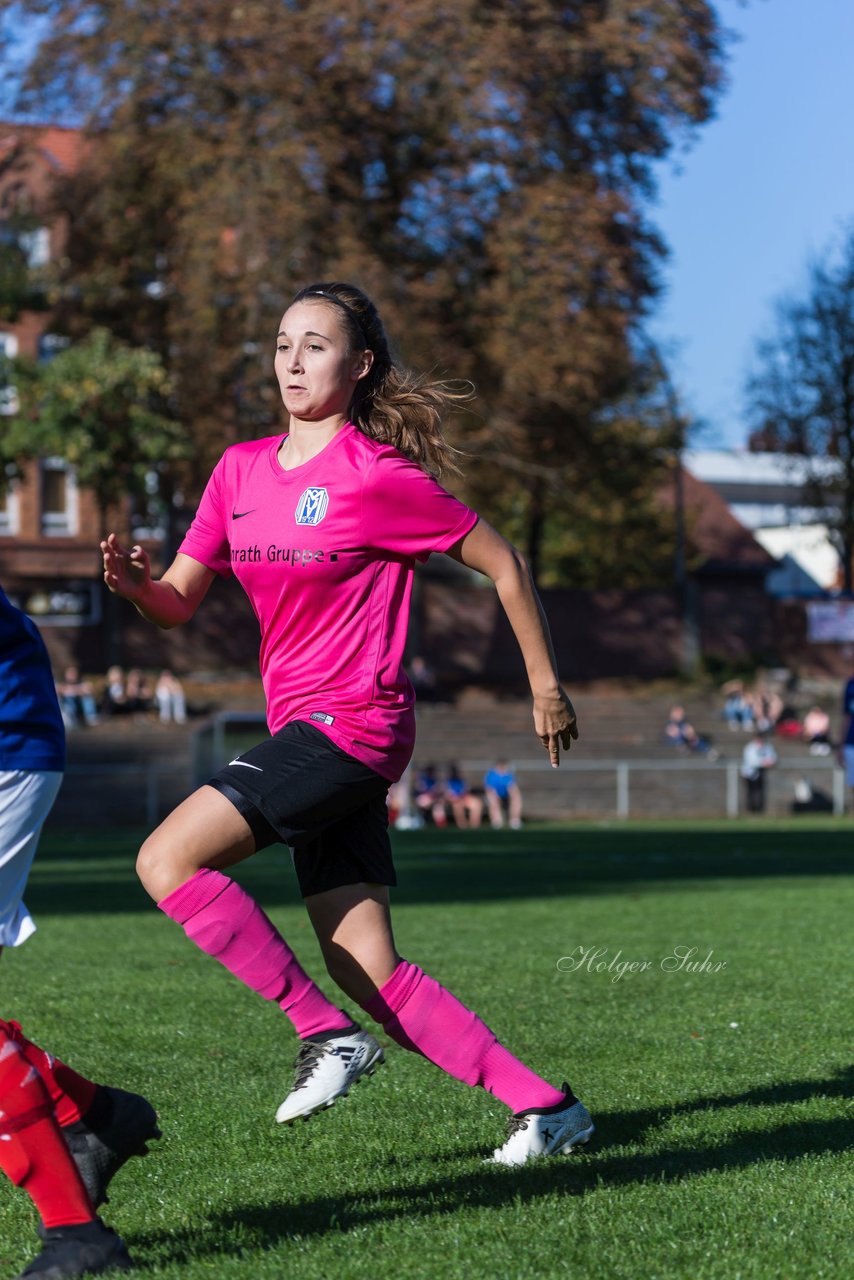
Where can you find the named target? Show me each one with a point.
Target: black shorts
(299, 788)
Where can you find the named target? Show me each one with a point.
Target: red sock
(71, 1094)
(33, 1152)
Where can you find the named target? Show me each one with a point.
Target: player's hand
(126, 573)
(555, 723)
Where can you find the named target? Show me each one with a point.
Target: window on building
(148, 512)
(8, 395)
(58, 497)
(35, 245)
(50, 345)
(8, 506)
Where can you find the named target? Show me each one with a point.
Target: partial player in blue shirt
(848, 740)
(62, 1137)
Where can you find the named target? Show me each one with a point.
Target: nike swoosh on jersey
(247, 765)
(238, 515)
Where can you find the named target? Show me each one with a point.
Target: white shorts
(849, 765)
(26, 798)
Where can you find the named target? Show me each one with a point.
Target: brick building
(49, 528)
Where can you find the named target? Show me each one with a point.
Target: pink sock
(422, 1016)
(224, 921)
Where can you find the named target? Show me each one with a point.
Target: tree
(103, 406)
(19, 290)
(483, 170)
(800, 394)
(605, 526)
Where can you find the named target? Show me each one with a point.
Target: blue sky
(765, 188)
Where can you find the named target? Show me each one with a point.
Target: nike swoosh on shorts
(247, 765)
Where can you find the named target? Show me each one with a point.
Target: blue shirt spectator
(502, 792)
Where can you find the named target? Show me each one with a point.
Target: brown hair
(393, 404)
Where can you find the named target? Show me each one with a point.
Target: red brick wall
(637, 634)
(464, 634)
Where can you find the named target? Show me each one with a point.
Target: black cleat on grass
(88, 1250)
(117, 1127)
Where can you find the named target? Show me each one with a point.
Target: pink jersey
(326, 554)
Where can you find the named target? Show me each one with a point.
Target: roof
(715, 538)
(62, 147)
(740, 466)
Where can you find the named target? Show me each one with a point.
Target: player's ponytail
(393, 404)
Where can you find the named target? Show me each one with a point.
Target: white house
(765, 492)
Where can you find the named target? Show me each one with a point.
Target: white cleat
(551, 1133)
(326, 1070)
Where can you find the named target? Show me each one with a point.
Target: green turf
(723, 1142)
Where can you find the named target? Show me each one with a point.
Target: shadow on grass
(473, 866)
(632, 1126)
(491, 1187)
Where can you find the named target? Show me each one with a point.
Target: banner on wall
(830, 621)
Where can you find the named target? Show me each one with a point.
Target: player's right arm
(170, 600)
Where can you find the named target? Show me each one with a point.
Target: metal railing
(148, 805)
(211, 749)
(729, 771)
(625, 777)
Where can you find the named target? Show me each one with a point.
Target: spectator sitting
(402, 812)
(423, 680)
(76, 699)
(765, 709)
(430, 796)
(502, 790)
(114, 700)
(396, 802)
(137, 691)
(169, 695)
(788, 725)
(736, 709)
(681, 734)
(466, 805)
(816, 731)
(809, 799)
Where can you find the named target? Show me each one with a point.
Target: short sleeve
(207, 537)
(408, 513)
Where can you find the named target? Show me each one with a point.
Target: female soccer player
(62, 1137)
(322, 527)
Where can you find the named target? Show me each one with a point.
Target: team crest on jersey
(311, 507)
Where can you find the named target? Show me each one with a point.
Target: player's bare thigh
(206, 830)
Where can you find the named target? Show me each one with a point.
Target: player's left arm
(487, 551)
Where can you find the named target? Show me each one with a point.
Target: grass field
(723, 1141)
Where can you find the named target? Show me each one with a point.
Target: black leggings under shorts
(299, 788)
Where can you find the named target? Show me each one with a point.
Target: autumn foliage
(483, 170)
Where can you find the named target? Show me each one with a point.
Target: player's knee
(153, 866)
